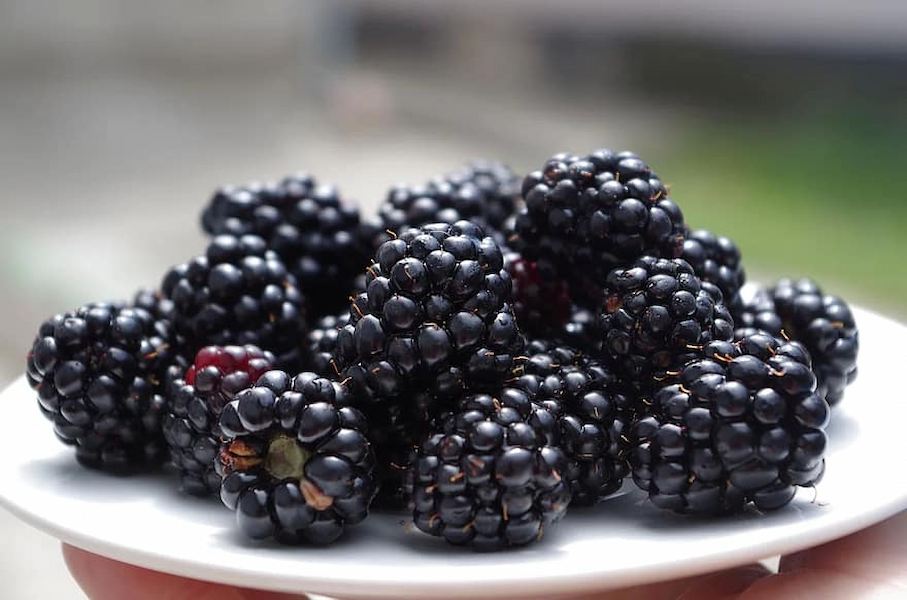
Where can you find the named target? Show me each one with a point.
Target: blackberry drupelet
(825, 325)
(434, 323)
(656, 316)
(715, 259)
(743, 424)
(196, 399)
(296, 461)
(582, 332)
(238, 292)
(587, 215)
(593, 415)
(98, 372)
(756, 313)
(324, 356)
(493, 478)
(318, 235)
(541, 304)
(486, 193)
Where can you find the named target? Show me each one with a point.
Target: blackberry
(98, 371)
(587, 215)
(195, 401)
(433, 324)
(492, 478)
(541, 304)
(715, 259)
(238, 292)
(593, 413)
(823, 323)
(296, 461)
(318, 235)
(486, 193)
(742, 424)
(657, 315)
(322, 345)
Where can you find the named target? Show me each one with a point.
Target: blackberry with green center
(825, 325)
(195, 401)
(587, 215)
(98, 372)
(541, 304)
(656, 315)
(715, 259)
(238, 292)
(434, 323)
(316, 233)
(494, 477)
(743, 424)
(486, 193)
(593, 415)
(295, 458)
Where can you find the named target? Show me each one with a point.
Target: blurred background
(782, 124)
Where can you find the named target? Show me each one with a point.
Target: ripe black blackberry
(493, 478)
(434, 323)
(322, 345)
(715, 259)
(825, 325)
(593, 415)
(656, 316)
(195, 400)
(238, 292)
(98, 372)
(742, 424)
(586, 215)
(296, 461)
(486, 193)
(319, 236)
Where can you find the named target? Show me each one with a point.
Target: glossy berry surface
(593, 414)
(238, 292)
(296, 460)
(715, 259)
(486, 193)
(824, 324)
(318, 235)
(433, 324)
(98, 372)
(587, 215)
(494, 477)
(656, 315)
(195, 402)
(741, 425)
(324, 355)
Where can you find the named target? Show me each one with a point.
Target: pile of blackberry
(482, 354)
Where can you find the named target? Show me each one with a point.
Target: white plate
(143, 519)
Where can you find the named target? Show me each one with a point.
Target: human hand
(868, 564)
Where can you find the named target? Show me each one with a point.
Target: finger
(815, 583)
(878, 553)
(107, 579)
(714, 586)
